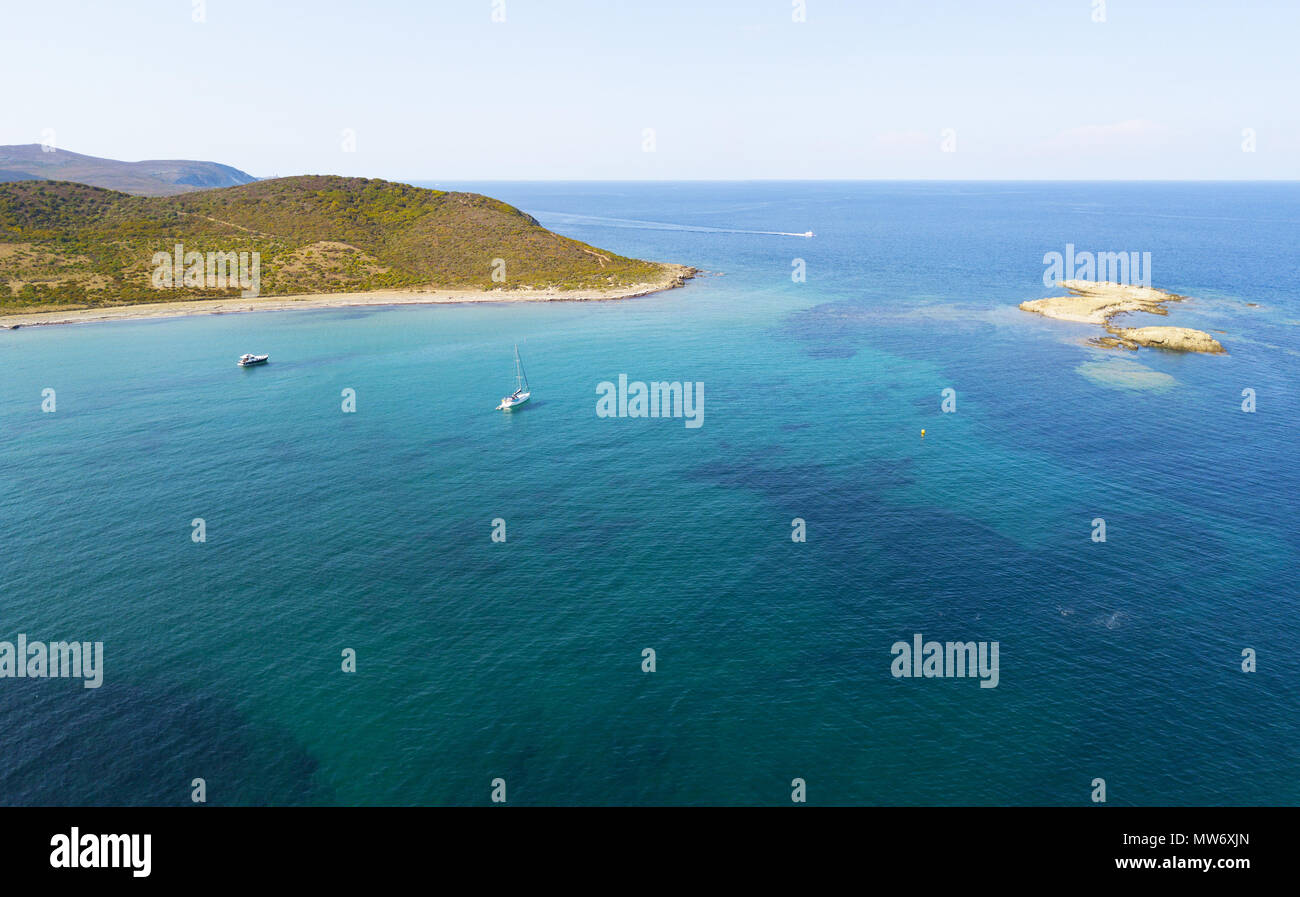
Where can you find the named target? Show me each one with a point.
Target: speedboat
(247, 360)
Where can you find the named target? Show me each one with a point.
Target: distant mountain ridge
(152, 177)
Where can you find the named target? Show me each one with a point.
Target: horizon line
(839, 180)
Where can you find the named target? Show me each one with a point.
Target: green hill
(65, 245)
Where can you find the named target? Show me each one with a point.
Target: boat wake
(562, 218)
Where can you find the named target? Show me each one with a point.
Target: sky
(439, 90)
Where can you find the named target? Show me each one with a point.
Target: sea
(426, 601)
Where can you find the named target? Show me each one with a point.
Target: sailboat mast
(521, 379)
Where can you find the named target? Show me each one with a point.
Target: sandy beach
(674, 276)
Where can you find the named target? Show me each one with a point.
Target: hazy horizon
(418, 180)
(761, 90)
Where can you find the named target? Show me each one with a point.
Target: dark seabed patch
(121, 745)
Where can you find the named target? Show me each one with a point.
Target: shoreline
(1098, 302)
(674, 276)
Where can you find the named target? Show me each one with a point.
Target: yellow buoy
(922, 434)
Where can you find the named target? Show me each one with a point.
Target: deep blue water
(522, 660)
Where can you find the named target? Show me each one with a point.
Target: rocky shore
(1093, 302)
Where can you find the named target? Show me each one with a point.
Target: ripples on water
(522, 660)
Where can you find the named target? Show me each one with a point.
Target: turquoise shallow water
(522, 660)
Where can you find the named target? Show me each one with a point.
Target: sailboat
(522, 393)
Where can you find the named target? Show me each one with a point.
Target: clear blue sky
(564, 89)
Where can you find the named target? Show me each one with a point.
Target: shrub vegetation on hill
(67, 245)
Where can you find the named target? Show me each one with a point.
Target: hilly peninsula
(68, 246)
